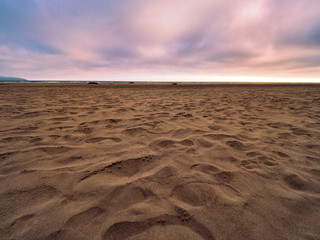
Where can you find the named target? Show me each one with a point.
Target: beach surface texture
(162, 161)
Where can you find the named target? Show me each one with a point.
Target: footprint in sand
(194, 194)
(81, 219)
(295, 182)
(127, 167)
(237, 145)
(185, 227)
(205, 143)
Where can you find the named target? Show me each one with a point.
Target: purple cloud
(81, 39)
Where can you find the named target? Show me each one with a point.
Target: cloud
(80, 38)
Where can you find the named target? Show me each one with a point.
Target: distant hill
(12, 79)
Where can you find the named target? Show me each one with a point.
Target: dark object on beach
(174, 83)
(92, 83)
(131, 82)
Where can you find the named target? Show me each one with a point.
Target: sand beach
(159, 161)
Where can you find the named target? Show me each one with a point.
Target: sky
(161, 40)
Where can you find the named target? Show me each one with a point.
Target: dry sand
(134, 161)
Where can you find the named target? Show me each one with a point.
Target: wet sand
(142, 161)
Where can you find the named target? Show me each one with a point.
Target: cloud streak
(81, 39)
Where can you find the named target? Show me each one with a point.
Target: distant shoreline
(154, 84)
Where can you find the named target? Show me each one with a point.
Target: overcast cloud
(82, 39)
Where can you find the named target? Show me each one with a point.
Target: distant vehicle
(131, 82)
(174, 83)
(92, 83)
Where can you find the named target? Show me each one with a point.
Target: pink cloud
(113, 39)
